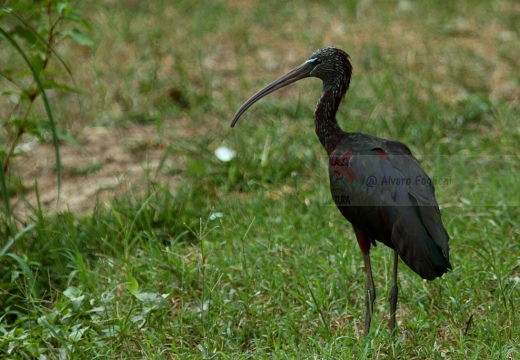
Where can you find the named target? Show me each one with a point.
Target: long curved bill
(298, 73)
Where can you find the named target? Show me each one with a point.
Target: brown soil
(111, 160)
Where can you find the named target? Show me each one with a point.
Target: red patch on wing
(347, 154)
(382, 154)
(340, 164)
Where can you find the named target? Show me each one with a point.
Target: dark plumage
(377, 184)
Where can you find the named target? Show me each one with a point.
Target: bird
(377, 184)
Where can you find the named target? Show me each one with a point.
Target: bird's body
(380, 188)
(377, 184)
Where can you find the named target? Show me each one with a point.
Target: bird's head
(329, 64)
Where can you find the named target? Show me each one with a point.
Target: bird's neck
(326, 126)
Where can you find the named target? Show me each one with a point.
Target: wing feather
(387, 188)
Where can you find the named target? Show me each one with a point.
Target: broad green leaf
(76, 335)
(52, 84)
(63, 8)
(25, 34)
(148, 297)
(132, 285)
(37, 63)
(5, 11)
(72, 292)
(80, 38)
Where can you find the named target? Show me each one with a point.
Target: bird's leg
(392, 296)
(371, 293)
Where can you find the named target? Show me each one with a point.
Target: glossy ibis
(377, 184)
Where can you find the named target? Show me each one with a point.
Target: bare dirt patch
(112, 159)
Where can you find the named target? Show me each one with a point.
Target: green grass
(250, 258)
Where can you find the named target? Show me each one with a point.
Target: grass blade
(10, 243)
(5, 195)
